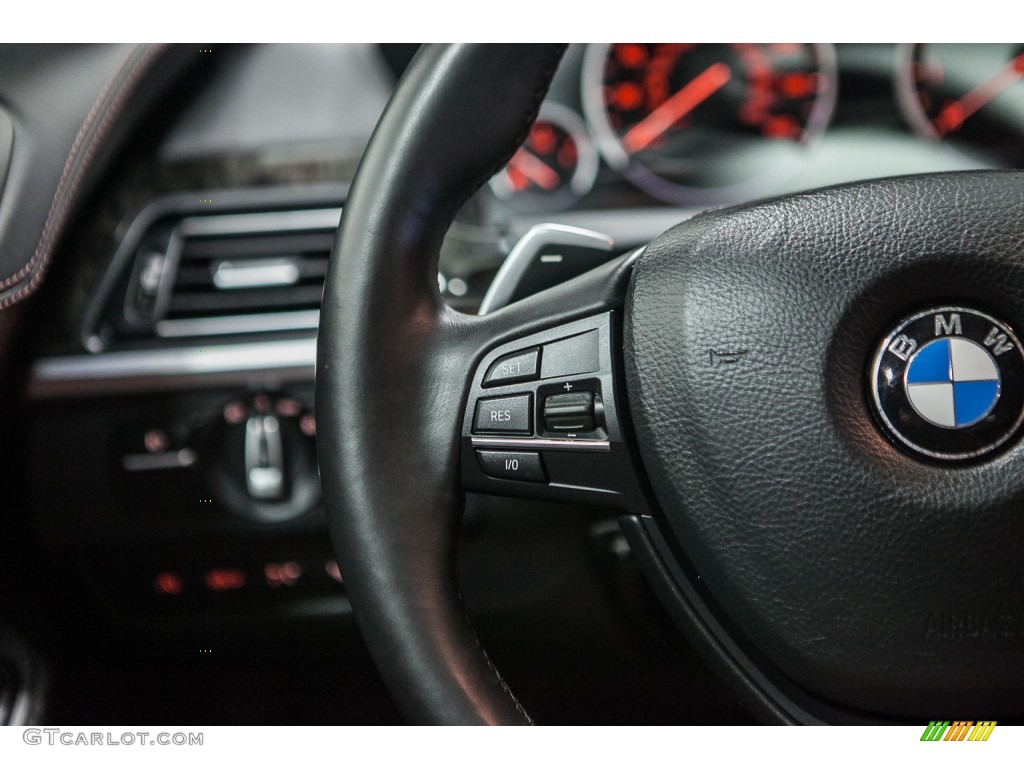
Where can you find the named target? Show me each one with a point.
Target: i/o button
(524, 466)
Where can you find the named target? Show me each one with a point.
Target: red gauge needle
(678, 106)
(953, 114)
(534, 169)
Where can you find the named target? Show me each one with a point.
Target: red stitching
(79, 137)
(72, 175)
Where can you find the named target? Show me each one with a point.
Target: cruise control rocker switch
(571, 412)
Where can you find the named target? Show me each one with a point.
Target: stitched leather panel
(71, 107)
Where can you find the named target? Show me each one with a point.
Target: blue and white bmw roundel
(948, 384)
(952, 382)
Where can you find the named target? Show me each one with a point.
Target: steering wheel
(841, 543)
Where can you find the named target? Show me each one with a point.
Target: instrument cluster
(694, 124)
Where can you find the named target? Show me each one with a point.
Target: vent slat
(218, 303)
(253, 246)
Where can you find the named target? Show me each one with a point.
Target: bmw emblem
(949, 383)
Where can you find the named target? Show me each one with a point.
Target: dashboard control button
(571, 357)
(503, 414)
(519, 366)
(264, 458)
(525, 466)
(569, 412)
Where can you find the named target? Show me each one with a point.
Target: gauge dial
(971, 96)
(703, 122)
(555, 166)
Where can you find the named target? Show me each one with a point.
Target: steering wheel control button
(524, 466)
(514, 368)
(571, 357)
(570, 412)
(948, 383)
(504, 415)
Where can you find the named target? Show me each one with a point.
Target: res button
(519, 366)
(503, 415)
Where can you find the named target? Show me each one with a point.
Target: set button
(510, 369)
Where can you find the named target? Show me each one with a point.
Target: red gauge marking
(781, 127)
(656, 75)
(954, 113)
(626, 96)
(631, 55)
(543, 138)
(684, 101)
(798, 85)
(534, 169)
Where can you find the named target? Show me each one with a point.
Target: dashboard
(169, 370)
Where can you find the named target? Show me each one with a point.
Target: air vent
(230, 274)
(252, 262)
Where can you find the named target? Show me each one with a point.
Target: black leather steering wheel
(831, 573)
